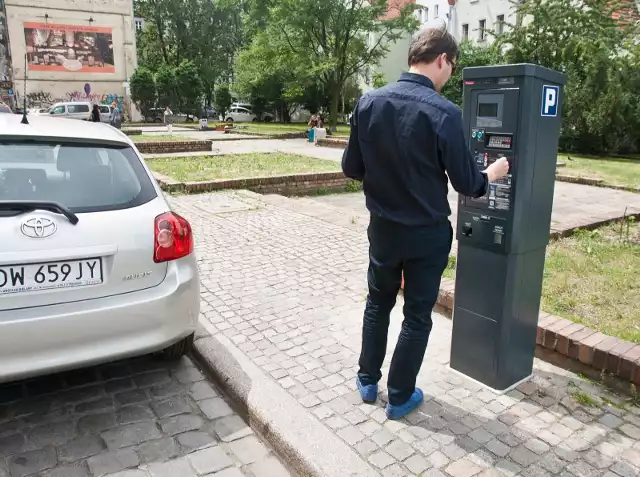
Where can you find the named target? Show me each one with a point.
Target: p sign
(550, 100)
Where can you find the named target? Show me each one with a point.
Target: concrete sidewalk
(283, 294)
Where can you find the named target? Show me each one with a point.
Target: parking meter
(510, 111)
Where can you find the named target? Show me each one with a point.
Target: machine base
(497, 392)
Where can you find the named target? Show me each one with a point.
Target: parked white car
(94, 265)
(72, 110)
(241, 112)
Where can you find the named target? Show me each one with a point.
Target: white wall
(49, 83)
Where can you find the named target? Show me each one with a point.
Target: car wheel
(157, 120)
(255, 120)
(179, 349)
(229, 120)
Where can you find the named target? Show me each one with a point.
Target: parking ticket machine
(510, 111)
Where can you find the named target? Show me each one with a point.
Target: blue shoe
(396, 412)
(368, 392)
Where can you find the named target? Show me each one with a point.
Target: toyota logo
(39, 227)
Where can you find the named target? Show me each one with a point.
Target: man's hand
(498, 169)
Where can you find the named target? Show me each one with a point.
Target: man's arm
(460, 165)
(352, 163)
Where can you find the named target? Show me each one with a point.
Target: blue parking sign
(10, 92)
(550, 96)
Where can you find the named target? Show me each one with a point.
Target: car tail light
(173, 237)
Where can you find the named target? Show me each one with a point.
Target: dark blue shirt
(405, 140)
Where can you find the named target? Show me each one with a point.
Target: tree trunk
(334, 93)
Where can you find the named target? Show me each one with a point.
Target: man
(405, 140)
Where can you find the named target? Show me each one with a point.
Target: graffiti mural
(41, 99)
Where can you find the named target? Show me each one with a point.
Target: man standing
(405, 140)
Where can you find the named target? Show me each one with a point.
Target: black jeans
(422, 254)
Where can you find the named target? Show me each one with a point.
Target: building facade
(71, 51)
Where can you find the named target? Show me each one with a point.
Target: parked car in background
(105, 113)
(72, 110)
(94, 265)
(4, 108)
(156, 115)
(240, 115)
(266, 117)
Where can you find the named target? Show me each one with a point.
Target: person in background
(116, 117)
(168, 119)
(321, 124)
(95, 114)
(313, 122)
(405, 140)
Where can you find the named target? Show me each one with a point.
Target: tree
(166, 86)
(333, 39)
(593, 44)
(471, 54)
(143, 90)
(222, 99)
(189, 88)
(379, 81)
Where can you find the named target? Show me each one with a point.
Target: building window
(435, 11)
(425, 15)
(138, 24)
(482, 27)
(465, 31)
(500, 24)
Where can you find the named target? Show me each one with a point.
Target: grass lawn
(612, 171)
(239, 166)
(593, 278)
(165, 138)
(281, 128)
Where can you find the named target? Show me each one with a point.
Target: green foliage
(583, 38)
(166, 87)
(319, 45)
(471, 54)
(189, 87)
(143, 89)
(379, 81)
(222, 100)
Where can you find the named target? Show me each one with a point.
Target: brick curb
(595, 182)
(292, 135)
(170, 147)
(580, 343)
(295, 184)
(132, 132)
(333, 142)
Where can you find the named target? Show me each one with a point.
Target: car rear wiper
(30, 205)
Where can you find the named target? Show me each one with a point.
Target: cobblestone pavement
(288, 288)
(137, 418)
(573, 205)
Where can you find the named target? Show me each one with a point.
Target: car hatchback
(94, 265)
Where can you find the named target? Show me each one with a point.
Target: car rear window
(83, 177)
(4, 109)
(78, 108)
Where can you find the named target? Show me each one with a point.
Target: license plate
(46, 276)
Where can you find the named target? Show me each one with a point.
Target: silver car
(94, 265)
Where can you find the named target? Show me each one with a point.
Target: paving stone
(111, 462)
(463, 468)
(182, 423)
(172, 407)
(230, 472)
(535, 470)
(11, 444)
(202, 390)
(131, 414)
(583, 469)
(481, 436)
(553, 463)
(382, 438)
(130, 435)
(31, 462)
(624, 469)
(215, 408)
(173, 468)
(231, 428)
(381, 459)
(248, 450)
(498, 448)
(96, 423)
(610, 420)
(72, 470)
(269, 467)
(537, 446)
(351, 434)
(135, 396)
(54, 434)
(210, 460)
(80, 448)
(399, 450)
(366, 447)
(630, 430)
(438, 459)
(417, 464)
(508, 467)
(158, 450)
(130, 473)
(196, 440)
(523, 456)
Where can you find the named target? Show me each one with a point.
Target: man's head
(434, 54)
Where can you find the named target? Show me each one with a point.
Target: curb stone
(309, 448)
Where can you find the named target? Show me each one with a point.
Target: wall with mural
(78, 51)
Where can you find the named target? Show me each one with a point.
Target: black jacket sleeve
(352, 162)
(458, 161)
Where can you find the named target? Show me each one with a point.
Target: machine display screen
(499, 141)
(488, 110)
